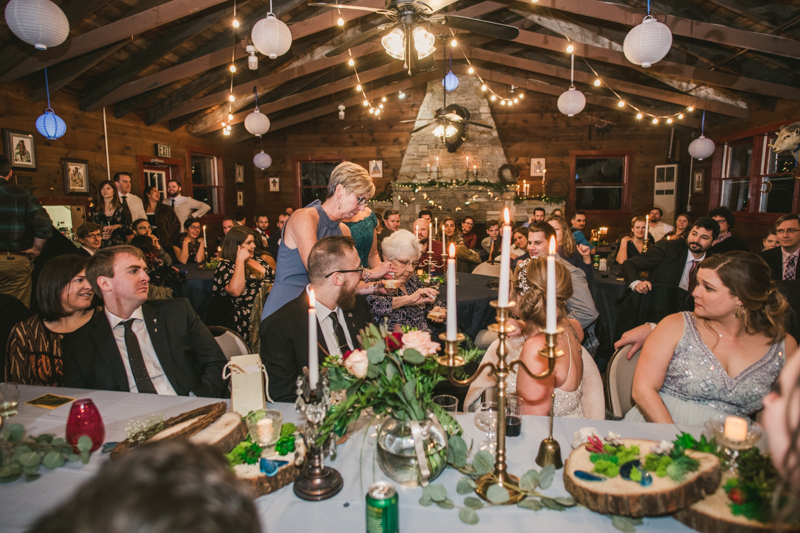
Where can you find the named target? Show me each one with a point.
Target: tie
(693, 276)
(173, 202)
(125, 200)
(338, 332)
(791, 267)
(140, 376)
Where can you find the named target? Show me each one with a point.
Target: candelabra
(500, 476)
(433, 264)
(317, 481)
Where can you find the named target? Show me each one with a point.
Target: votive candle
(735, 428)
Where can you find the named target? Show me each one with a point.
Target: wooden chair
(229, 341)
(619, 381)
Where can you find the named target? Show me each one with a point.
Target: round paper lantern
(271, 36)
(256, 123)
(51, 125)
(37, 22)
(262, 160)
(702, 147)
(647, 43)
(450, 82)
(571, 102)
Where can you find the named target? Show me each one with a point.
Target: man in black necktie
(132, 345)
(334, 270)
(122, 180)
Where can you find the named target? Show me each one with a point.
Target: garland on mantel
(433, 184)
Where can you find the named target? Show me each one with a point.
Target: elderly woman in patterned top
(407, 302)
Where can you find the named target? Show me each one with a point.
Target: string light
(401, 95)
(358, 87)
(570, 49)
(471, 70)
(351, 62)
(597, 82)
(232, 98)
(639, 116)
(233, 68)
(235, 23)
(680, 116)
(340, 22)
(230, 117)
(484, 87)
(621, 103)
(383, 99)
(493, 98)
(366, 103)
(669, 121)
(453, 43)
(690, 109)
(655, 120)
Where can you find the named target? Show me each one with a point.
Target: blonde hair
(531, 282)
(353, 178)
(568, 244)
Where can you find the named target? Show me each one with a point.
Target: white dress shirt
(327, 326)
(186, 207)
(151, 362)
(135, 205)
(659, 229)
(786, 257)
(684, 284)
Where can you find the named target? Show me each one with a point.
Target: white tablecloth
(21, 503)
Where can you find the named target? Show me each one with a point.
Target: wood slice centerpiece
(713, 515)
(618, 496)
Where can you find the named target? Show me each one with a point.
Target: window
(776, 181)
(736, 176)
(600, 181)
(313, 177)
(206, 180)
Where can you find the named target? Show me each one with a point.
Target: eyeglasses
(405, 264)
(359, 270)
(95, 235)
(787, 231)
(361, 200)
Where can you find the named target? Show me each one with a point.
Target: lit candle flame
(552, 245)
(452, 249)
(312, 302)
(506, 216)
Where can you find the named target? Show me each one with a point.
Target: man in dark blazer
(135, 345)
(783, 259)
(726, 242)
(89, 235)
(334, 270)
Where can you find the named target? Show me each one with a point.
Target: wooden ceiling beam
(109, 34)
(705, 31)
(553, 90)
(618, 85)
(327, 109)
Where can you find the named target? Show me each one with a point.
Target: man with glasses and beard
(334, 271)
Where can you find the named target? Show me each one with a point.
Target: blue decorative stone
(588, 476)
(647, 479)
(625, 469)
(270, 467)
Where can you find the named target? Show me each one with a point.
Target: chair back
(620, 381)
(488, 269)
(229, 341)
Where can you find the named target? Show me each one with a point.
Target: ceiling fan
(403, 34)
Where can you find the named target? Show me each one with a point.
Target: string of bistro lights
(226, 126)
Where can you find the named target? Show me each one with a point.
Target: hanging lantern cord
(47, 87)
(255, 92)
(572, 71)
(648, 7)
(703, 124)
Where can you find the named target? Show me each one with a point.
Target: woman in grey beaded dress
(721, 359)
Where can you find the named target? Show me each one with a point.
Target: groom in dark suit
(156, 347)
(334, 270)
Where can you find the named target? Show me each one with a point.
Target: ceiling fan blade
(435, 5)
(479, 124)
(482, 27)
(364, 37)
(423, 127)
(344, 6)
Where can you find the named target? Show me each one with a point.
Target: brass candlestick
(317, 481)
(500, 476)
(432, 264)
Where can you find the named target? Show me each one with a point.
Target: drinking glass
(486, 420)
(514, 407)
(9, 399)
(84, 419)
(446, 402)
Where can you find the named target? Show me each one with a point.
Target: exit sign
(162, 150)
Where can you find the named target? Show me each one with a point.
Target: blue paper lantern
(450, 82)
(51, 125)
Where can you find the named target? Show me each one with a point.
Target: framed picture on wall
(376, 169)
(239, 198)
(274, 185)
(239, 173)
(20, 149)
(538, 166)
(698, 176)
(76, 176)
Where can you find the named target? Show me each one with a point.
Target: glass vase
(398, 455)
(84, 419)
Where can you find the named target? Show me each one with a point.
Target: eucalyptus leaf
(21, 449)
(30, 470)
(625, 523)
(32, 477)
(53, 460)
(468, 516)
(473, 502)
(84, 443)
(376, 354)
(529, 503)
(437, 493)
(465, 485)
(14, 469)
(73, 458)
(45, 438)
(546, 476)
(497, 494)
(483, 463)
(58, 441)
(550, 503)
(425, 501)
(391, 372)
(85, 457)
(446, 504)
(529, 481)
(566, 501)
(457, 453)
(410, 390)
(9, 479)
(14, 433)
(373, 371)
(412, 356)
(29, 459)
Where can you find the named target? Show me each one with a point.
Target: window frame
(625, 209)
(298, 174)
(188, 185)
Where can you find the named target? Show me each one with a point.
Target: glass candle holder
(84, 419)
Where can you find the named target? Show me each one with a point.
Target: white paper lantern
(256, 123)
(571, 102)
(262, 160)
(647, 43)
(702, 148)
(271, 36)
(37, 22)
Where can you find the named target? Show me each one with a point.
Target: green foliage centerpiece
(22, 455)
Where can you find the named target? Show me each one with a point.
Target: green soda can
(596, 261)
(383, 514)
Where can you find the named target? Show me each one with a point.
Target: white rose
(421, 342)
(357, 363)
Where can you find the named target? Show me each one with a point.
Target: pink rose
(357, 363)
(421, 342)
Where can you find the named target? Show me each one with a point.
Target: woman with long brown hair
(111, 214)
(577, 255)
(724, 357)
(161, 216)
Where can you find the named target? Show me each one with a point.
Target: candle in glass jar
(550, 325)
(736, 428)
(313, 361)
(505, 262)
(452, 328)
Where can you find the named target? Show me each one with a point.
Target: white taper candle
(505, 262)
(452, 304)
(551, 324)
(313, 361)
